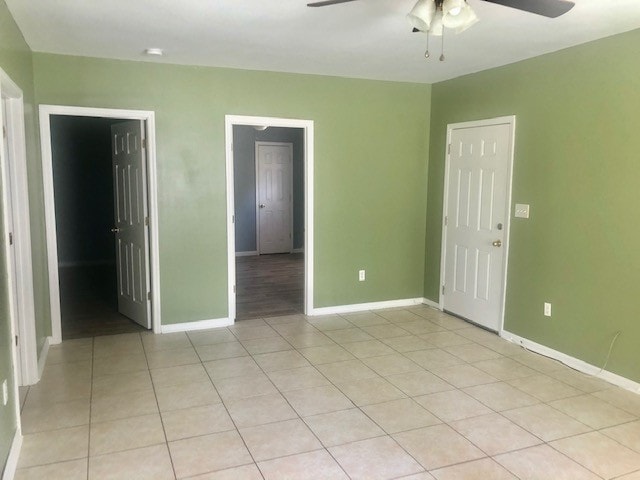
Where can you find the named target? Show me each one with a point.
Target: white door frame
(49, 203)
(308, 127)
(24, 310)
(508, 120)
(290, 145)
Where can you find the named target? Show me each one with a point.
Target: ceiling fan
(432, 16)
(546, 8)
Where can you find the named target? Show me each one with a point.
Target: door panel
(274, 195)
(477, 212)
(132, 252)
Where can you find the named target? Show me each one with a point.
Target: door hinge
(144, 143)
(234, 289)
(449, 149)
(446, 221)
(148, 295)
(443, 289)
(10, 238)
(16, 340)
(146, 221)
(233, 219)
(4, 131)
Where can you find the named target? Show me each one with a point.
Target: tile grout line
(155, 395)
(222, 402)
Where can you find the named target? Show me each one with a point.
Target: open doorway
(89, 248)
(99, 173)
(268, 166)
(270, 216)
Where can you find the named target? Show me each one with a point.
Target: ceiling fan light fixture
(437, 27)
(462, 21)
(470, 19)
(422, 14)
(453, 7)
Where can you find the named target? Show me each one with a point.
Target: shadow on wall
(244, 172)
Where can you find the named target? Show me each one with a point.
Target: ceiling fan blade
(327, 3)
(546, 8)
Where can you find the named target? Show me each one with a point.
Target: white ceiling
(363, 39)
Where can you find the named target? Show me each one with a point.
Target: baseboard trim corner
(360, 307)
(572, 362)
(199, 325)
(431, 303)
(11, 466)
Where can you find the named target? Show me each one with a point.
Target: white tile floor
(404, 393)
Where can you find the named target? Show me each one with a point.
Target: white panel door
(475, 218)
(130, 192)
(274, 197)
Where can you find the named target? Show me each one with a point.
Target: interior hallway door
(475, 222)
(131, 221)
(274, 195)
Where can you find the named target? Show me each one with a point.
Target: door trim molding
(257, 143)
(22, 314)
(508, 120)
(50, 218)
(308, 127)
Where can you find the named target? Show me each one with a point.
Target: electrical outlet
(361, 276)
(547, 309)
(5, 393)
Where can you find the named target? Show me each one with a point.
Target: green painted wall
(576, 163)
(371, 153)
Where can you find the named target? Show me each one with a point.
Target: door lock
(497, 243)
(262, 205)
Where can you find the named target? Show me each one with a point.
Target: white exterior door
(274, 177)
(131, 233)
(476, 216)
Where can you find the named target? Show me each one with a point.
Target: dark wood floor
(269, 285)
(89, 305)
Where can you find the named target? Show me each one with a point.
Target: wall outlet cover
(361, 276)
(522, 210)
(547, 309)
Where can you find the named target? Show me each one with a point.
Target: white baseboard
(298, 250)
(42, 358)
(431, 303)
(360, 307)
(572, 362)
(247, 254)
(199, 325)
(14, 454)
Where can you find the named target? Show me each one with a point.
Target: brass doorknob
(497, 243)
(262, 205)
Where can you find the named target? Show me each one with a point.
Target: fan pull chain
(426, 53)
(442, 51)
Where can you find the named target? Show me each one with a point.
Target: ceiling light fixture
(158, 52)
(432, 16)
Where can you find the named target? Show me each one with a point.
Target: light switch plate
(522, 210)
